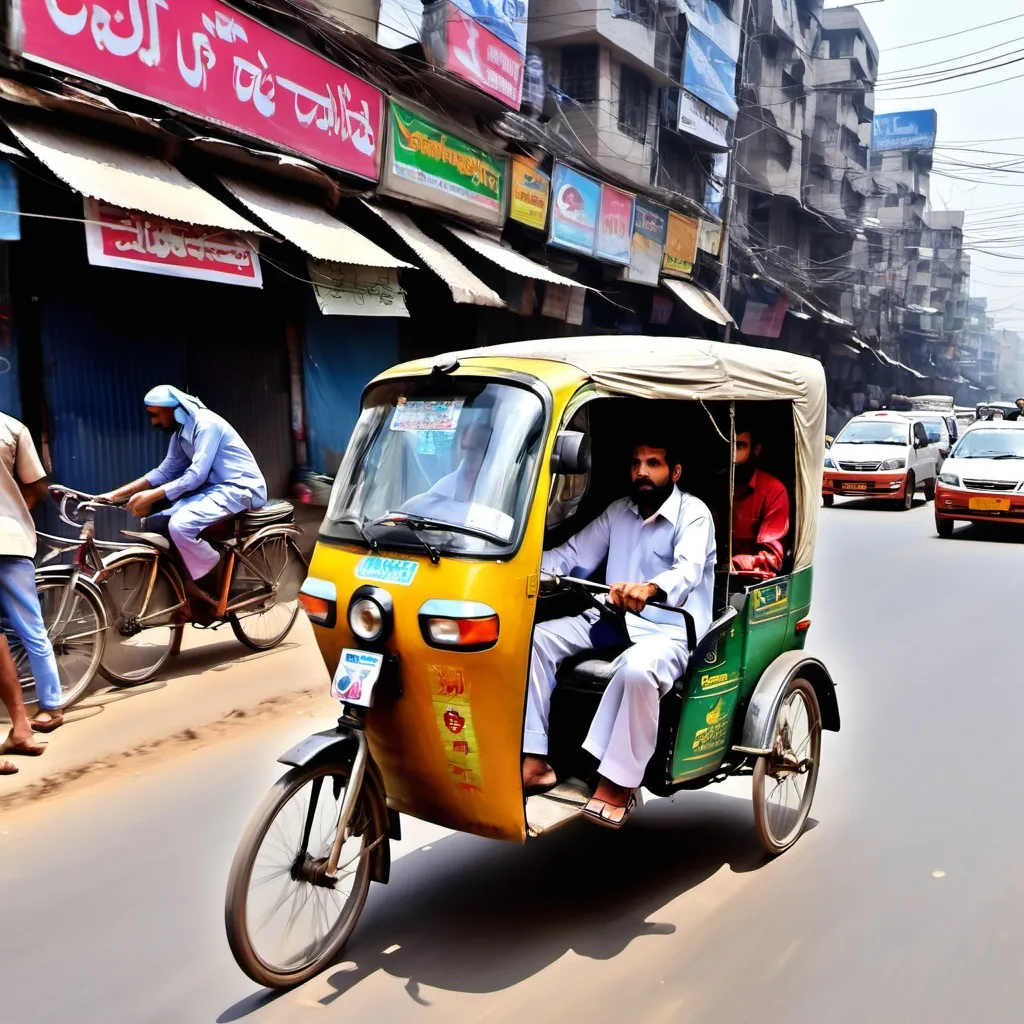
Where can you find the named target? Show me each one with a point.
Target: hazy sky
(969, 122)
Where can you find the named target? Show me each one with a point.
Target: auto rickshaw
(425, 618)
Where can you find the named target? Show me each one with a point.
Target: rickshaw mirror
(571, 454)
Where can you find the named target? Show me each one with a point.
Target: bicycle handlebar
(63, 496)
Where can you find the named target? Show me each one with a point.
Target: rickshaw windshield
(458, 455)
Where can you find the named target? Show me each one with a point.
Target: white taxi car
(881, 455)
(983, 478)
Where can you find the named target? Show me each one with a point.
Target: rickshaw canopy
(693, 369)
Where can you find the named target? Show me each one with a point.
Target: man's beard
(744, 472)
(653, 496)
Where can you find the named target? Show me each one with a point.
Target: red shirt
(760, 522)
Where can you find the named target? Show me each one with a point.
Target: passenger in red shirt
(760, 514)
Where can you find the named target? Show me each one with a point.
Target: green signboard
(432, 166)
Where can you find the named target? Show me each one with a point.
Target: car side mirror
(571, 453)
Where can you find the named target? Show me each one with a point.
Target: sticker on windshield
(426, 415)
(492, 520)
(399, 571)
(434, 442)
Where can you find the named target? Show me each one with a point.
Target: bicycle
(145, 600)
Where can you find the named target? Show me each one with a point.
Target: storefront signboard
(482, 59)
(205, 58)
(681, 246)
(575, 206)
(343, 289)
(531, 190)
(435, 168)
(615, 226)
(650, 229)
(505, 18)
(129, 240)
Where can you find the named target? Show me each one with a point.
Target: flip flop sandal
(50, 726)
(22, 750)
(8, 768)
(610, 815)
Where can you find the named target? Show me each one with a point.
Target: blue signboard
(707, 17)
(505, 18)
(913, 129)
(575, 206)
(709, 73)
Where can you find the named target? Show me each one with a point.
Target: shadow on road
(874, 505)
(476, 916)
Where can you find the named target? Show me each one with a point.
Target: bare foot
(25, 745)
(537, 773)
(610, 793)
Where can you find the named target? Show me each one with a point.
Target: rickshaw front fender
(759, 725)
(338, 746)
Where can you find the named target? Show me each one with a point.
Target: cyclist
(209, 474)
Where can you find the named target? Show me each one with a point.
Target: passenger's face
(746, 450)
(161, 417)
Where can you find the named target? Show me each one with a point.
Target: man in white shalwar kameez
(660, 546)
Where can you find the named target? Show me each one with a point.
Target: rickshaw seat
(592, 670)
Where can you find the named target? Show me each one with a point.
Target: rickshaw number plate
(854, 487)
(356, 676)
(990, 504)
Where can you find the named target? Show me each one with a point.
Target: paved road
(111, 895)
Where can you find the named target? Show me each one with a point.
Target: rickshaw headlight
(366, 619)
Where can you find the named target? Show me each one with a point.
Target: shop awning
(126, 179)
(464, 285)
(700, 300)
(509, 259)
(310, 228)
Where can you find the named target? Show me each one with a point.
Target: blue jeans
(19, 602)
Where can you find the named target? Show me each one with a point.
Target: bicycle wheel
(286, 918)
(263, 626)
(138, 643)
(76, 623)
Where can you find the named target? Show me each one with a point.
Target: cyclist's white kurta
(674, 549)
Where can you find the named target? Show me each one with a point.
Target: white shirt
(674, 549)
(19, 464)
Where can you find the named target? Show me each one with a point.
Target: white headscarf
(166, 396)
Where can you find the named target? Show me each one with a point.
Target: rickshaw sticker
(712, 656)
(422, 415)
(455, 727)
(717, 731)
(712, 680)
(399, 571)
(434, 442)
(356, 676)
(448, 684)
(769, 602)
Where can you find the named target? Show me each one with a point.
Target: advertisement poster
(433, 167)
(344, 289)
(218, 64)
(650, 230)
(575, 206)
(505, 18)
(715, 192)
(482, 59)
(914, 129)
(696, 118)
(709, 73)
(531, 189)
(615, 225)
(681, 246)
(130, 240)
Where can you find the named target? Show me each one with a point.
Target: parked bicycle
(143, 595)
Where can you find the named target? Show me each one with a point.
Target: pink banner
(130, 240)
(203, 58)
(483, 60)
(615, 225)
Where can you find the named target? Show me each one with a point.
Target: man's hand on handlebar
(140, 504)
(631, 597)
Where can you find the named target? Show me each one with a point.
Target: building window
(634, 96)
(640, 11)
(579, 73)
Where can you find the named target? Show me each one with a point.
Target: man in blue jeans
(22, 485)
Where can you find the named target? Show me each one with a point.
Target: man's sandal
(8, 768)
(610, 815)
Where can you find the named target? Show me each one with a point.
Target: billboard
(505, 18)
(615, 225)
(912, 129)
(709, 73)
(482, 59)
(575, 208)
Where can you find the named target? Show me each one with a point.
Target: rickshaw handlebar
(602, 589)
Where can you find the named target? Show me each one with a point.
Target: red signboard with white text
(482, 59)
(130, 240)
(204, 58)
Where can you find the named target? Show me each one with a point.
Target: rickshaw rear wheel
(301, 896)
(784, 780)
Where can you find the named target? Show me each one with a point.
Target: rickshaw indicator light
(802, 626)
(315, 607)
(475, 634)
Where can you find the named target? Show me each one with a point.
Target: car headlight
(829, 464)
(370, 614)
(949, 479)
(891, 464)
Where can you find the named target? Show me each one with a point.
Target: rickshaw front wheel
(287, 918)
(784, 780)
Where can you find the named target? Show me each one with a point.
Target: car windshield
(873, 432)
(934, 429)
(449, 464)
(991, 444)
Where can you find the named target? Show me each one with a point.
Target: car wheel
(828, 500)
(944, 526)
(929, 489)
(907, 501)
